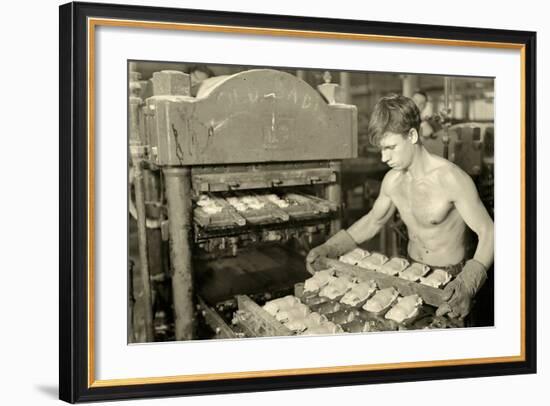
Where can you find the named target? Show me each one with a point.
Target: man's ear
(413, 135)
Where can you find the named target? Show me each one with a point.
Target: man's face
(397, 150)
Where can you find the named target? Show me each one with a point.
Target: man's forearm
(364, 229)
(485, 250)
(370, 224)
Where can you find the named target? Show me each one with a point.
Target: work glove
(458, 294)
(337, 245)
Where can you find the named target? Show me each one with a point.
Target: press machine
(255, 134)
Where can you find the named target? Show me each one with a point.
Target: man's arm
(467, 202)
(362, 230)
(369, 225)
(458, 293)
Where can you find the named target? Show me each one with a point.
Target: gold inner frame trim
(94, 22)
(300, 371)
(298, 33)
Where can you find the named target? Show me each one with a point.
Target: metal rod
(143, 250)
(448, 114)
(333, 193)
(131, 302)
(178, 195)
(453, 98)
(154, 237)
(394, 245)
(383, 238)
(137, 152)
(446, 85)
(345, 83)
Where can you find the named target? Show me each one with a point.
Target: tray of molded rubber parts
(283, 316)
(215, 212)
(361, 305)
(256, 208)
(238, 209)
(333, 303)
(398, 273)
(300, 206)
(229, 210)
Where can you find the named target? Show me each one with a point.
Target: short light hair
(393, 113)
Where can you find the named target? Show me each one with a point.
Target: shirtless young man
(436, 200)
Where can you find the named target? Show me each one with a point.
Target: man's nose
(385, 156)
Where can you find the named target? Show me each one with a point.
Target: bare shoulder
(449, 173)
(391, 179)
(453, 179)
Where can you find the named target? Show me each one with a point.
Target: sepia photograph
(268, 202)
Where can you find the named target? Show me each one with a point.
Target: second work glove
(460, 292)
(337, 245)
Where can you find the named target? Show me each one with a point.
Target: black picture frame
(74, 380)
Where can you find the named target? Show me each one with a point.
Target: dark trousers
(483, 309)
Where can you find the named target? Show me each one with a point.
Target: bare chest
(424, 202)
